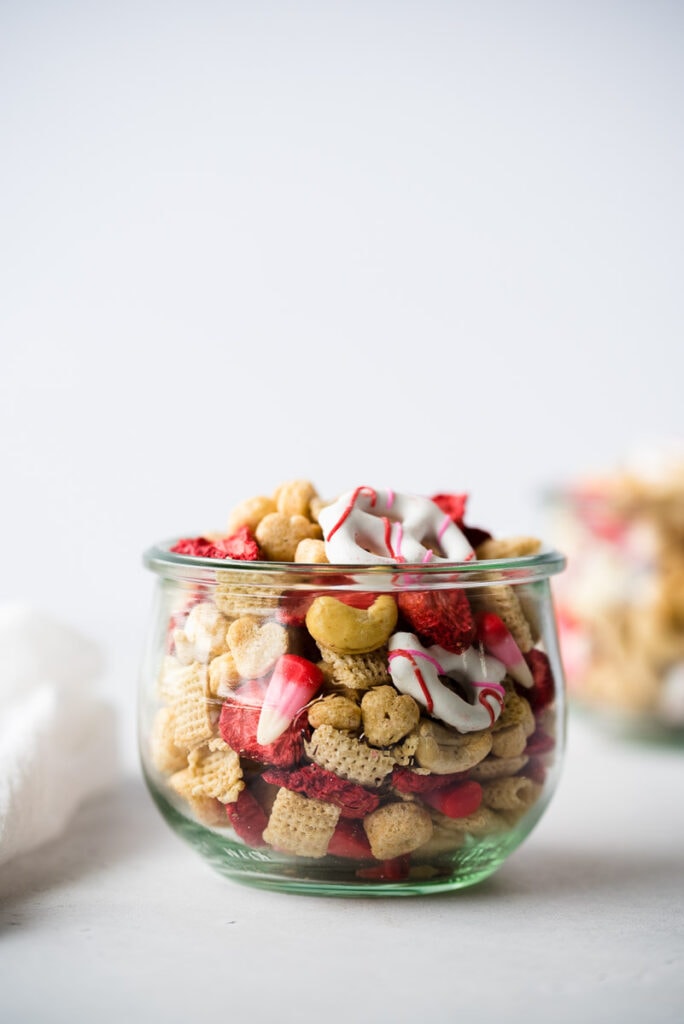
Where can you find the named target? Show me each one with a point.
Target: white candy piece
(203, 636)
(369, 527)
(416, 670)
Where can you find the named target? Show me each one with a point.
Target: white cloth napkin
(57, 736)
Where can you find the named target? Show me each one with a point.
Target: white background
(429, 245)
(434, 246)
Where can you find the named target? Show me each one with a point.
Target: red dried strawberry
(407, 781)
(454, 506)
(239, 722)
(440, 617)
(319, 784)
(350, 840)
(543, 691)
(197, 547)
(241, 545)
(248, 818)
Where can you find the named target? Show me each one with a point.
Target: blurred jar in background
(620, 603)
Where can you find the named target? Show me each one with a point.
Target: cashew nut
(348, 630)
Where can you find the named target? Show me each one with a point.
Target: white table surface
(119, 921)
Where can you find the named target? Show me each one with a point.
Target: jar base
(262, 868)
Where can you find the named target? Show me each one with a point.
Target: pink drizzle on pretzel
(368, 526)
(479, 673)
(445, 524)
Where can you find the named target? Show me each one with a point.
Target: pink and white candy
(497, 640)
(416, 670)
(292, 685)
(368, 526)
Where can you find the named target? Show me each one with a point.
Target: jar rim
(524, 569)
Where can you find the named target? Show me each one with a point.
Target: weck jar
(621, 603)
(353, 729)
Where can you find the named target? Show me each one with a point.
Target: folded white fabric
(57, 736)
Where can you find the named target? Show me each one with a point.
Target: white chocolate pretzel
(416, 670)
(366, 526)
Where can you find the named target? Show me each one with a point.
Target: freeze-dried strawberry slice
(241, 546)
(353, 800)
(454, 795)
(543, 691)
(440, 617)
(350, 840)
(198, 547)
(248, 818)
(239, 722)
(454, 506)
(407, 781)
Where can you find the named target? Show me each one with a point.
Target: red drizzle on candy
(352, 501)
(489, 692)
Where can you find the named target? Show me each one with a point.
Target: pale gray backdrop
(422, 245)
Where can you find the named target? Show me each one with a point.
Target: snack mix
(621, 604)
(381, 733)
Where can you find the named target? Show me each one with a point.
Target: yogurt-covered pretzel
(416, 670)
(366, 526)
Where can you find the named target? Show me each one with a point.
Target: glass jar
(296, 731)
(621, 603)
